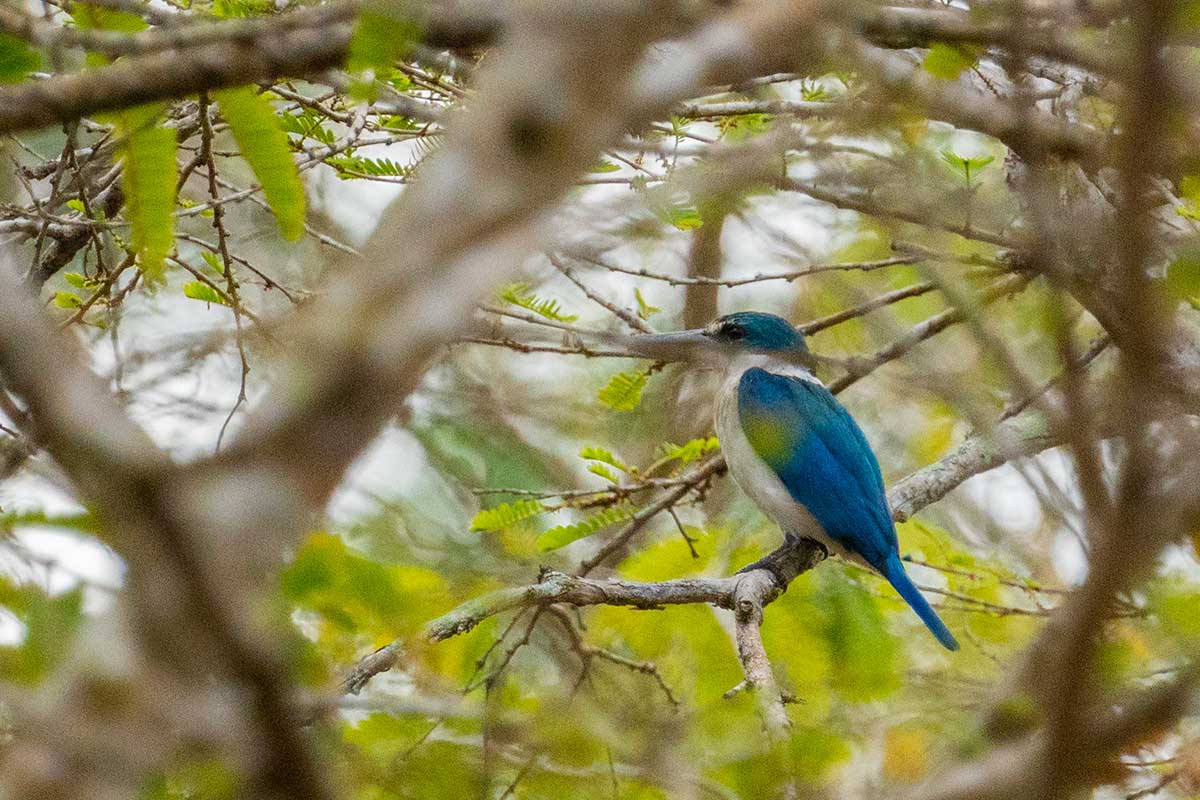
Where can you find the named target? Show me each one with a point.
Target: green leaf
(864, 653)
(949, 60)
(204, 779)
(199, 290)
(506, 515)
(1178, 610)
(75, 204)
(308, 125)
(603, 472)
(95, 17)
(1189, 187)
(1187, 15)
(264, 144)
(605, 166)
(1189, 190)
(242, 8)
(17, 59)
(967, 168)
(350, 167)
(213, 261)
(623, 392)
(814, 750)
(356, 594)
(519, 294)
(645, 310)
(1183, 277)
(75, 279)
(813, 92)
(604, 455)
(67, 300)
(83, 523)
(563, 535)
(89, 17)
(691, 451)
(384, 735)
(743, 126)
(49, 623)
(148, 178)
(398, 123)
(379, 39)
(683, 216)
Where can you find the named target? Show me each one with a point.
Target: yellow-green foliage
(520, 294)
(623, 392)
(563, 535)
(17, 59)
(506, 515)
(148, 178)
(48, 624)
(263, 143)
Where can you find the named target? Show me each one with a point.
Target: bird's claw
(770, 565)
(772, 562)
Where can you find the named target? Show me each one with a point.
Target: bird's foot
(795, 556)
(772, 566)
(794, 540)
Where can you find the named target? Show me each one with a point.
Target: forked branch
(746, 594)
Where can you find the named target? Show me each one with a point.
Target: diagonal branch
(214, 56)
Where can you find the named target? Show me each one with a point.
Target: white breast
(753, 475)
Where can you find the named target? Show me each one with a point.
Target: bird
(793, 448)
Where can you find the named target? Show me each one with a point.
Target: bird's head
(728, 337)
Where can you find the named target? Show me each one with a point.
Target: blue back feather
(822, 457)
(815, 447)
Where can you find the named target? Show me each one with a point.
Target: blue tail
(893, 570)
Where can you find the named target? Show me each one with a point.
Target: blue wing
(826, 464)
(822, 457)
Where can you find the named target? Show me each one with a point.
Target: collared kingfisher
(793, 448)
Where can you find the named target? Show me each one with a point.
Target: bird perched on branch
(793, 448)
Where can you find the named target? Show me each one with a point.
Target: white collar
(773, 364)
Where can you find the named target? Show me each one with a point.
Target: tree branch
(746, 594)
(216, 56)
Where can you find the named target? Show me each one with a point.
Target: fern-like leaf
(148, 177)
(604, 455)
(423, 148)
(690, 451)
(603, 472)
(350, 167)
(563, 535)
(623, 392)
(519, 294)
(506, 515)
(264, 144)
(307, 125)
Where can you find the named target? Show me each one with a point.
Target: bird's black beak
(680, 346)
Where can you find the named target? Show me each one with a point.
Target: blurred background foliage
(461, 495)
